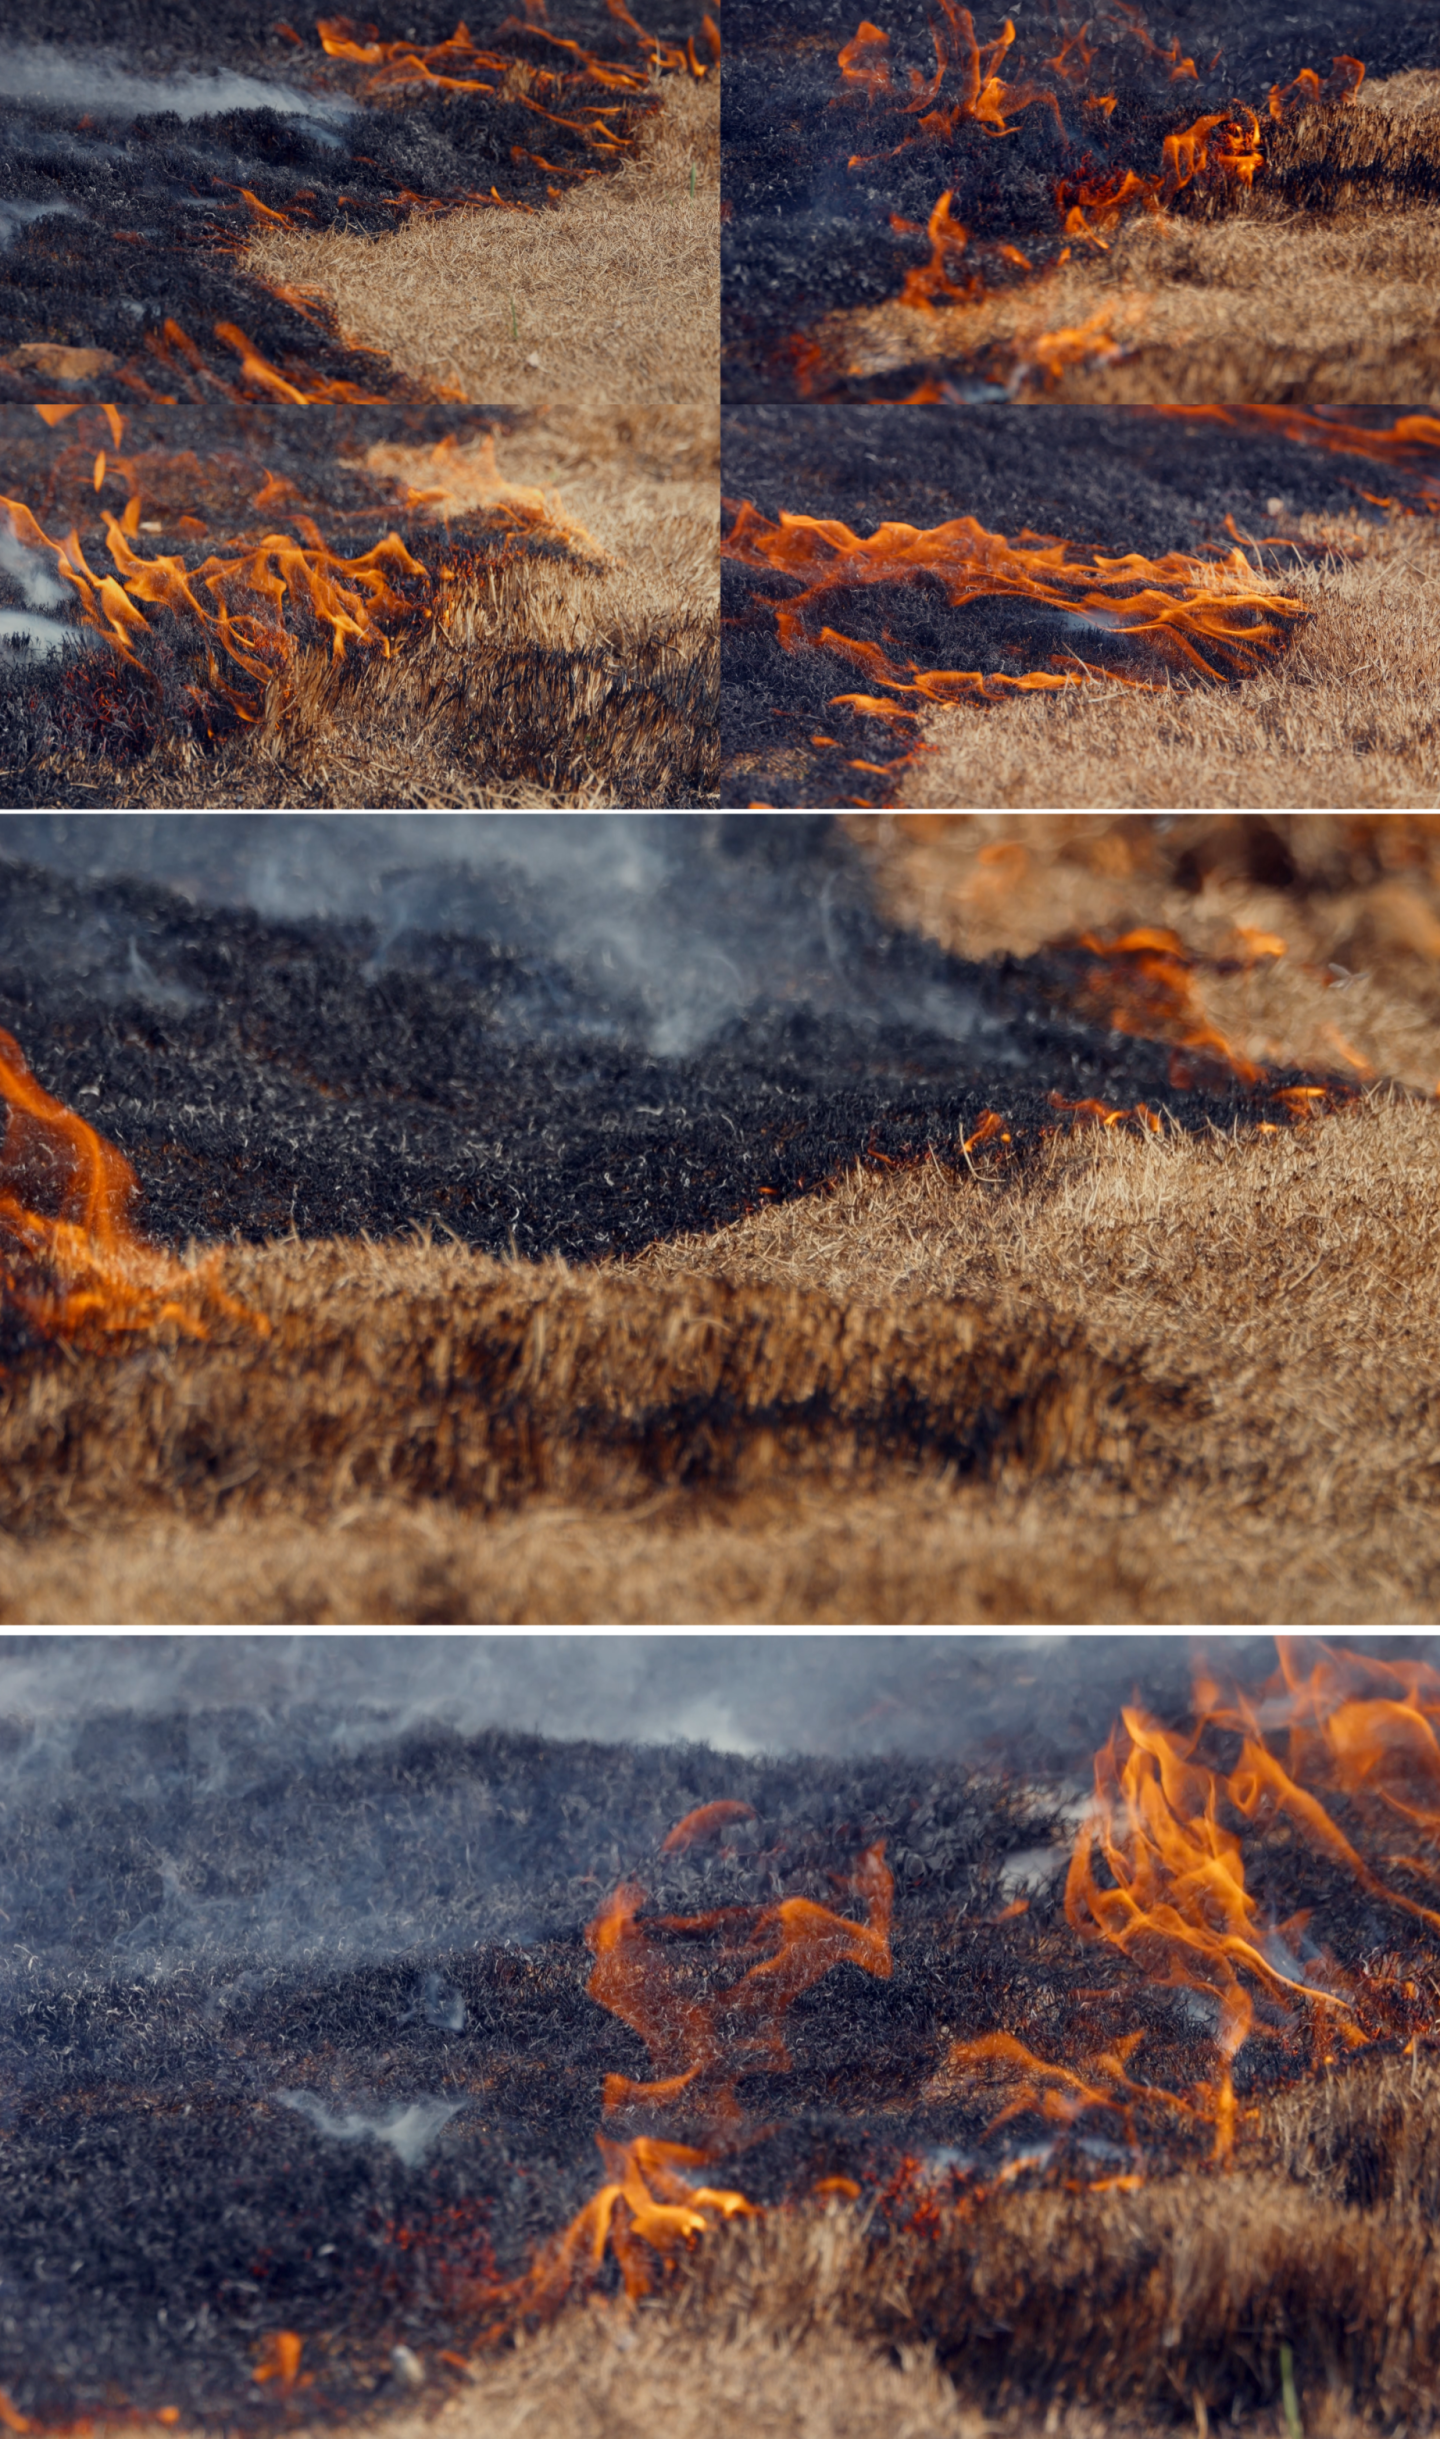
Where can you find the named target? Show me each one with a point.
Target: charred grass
(587, 674)
(1068, 2313)
(611, 298)
(1345, 717)
(1313, 287)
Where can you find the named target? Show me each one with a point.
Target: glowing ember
(1209, 619)
(82, 1271)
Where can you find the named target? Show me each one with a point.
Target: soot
(1105, 479)
(297, 2034)
(121, 216)
(594, 1037)
(807, 234)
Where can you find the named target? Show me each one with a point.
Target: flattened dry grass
(615, 292)
(1347, 715)
(1170, 1380)
(589, 677)
(1316, 287)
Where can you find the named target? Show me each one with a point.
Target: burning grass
(611, 298)
(576, 662)
(1345, 716)
(1285, 255)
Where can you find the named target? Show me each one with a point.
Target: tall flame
(83, 1271)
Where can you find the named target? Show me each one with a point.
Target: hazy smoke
(16, 216)
(39, 586)
(410, 2131)
(656, 927)
(94, 81)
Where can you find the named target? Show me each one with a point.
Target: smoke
(659, 929)
(410, 2131)
(16, 216)
(24, 631)
(95, 82)
(40, 588)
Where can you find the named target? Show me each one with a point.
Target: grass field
(611, 299)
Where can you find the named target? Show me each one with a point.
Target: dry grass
(1347, 715)
(1332, 301)
(1181, 1379)
(1135, 1380)
(587, 678)
(616, 292)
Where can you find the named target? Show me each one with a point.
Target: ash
(586, 1035)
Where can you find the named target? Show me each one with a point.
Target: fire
(1100, 1113)
(461, 65)
(646, 2213)
(1309, 91)
(1219, 153)
(1159, 1873)
(1144, 983)
(1405, 444)
(707, 2041)
(248, 610)
(1208, 619)
(82, 1271)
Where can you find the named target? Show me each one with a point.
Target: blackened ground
(1108, 479)
(806, 233)
(117, 221)
(214, 1915)
(337, 1077)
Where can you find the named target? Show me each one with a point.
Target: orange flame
(1340, 86)
(1207, 619)
(708, 2041)
(1145, 980)
(85, 1272)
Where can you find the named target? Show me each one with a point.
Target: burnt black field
(297, 2034)
(121, 211)
(1103, 479)
(806, 234)
(526, 1050)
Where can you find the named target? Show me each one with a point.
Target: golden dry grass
(1215, 1413)
(1345, 716)
(589, 678)
(1332, 301)
(615, 292)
